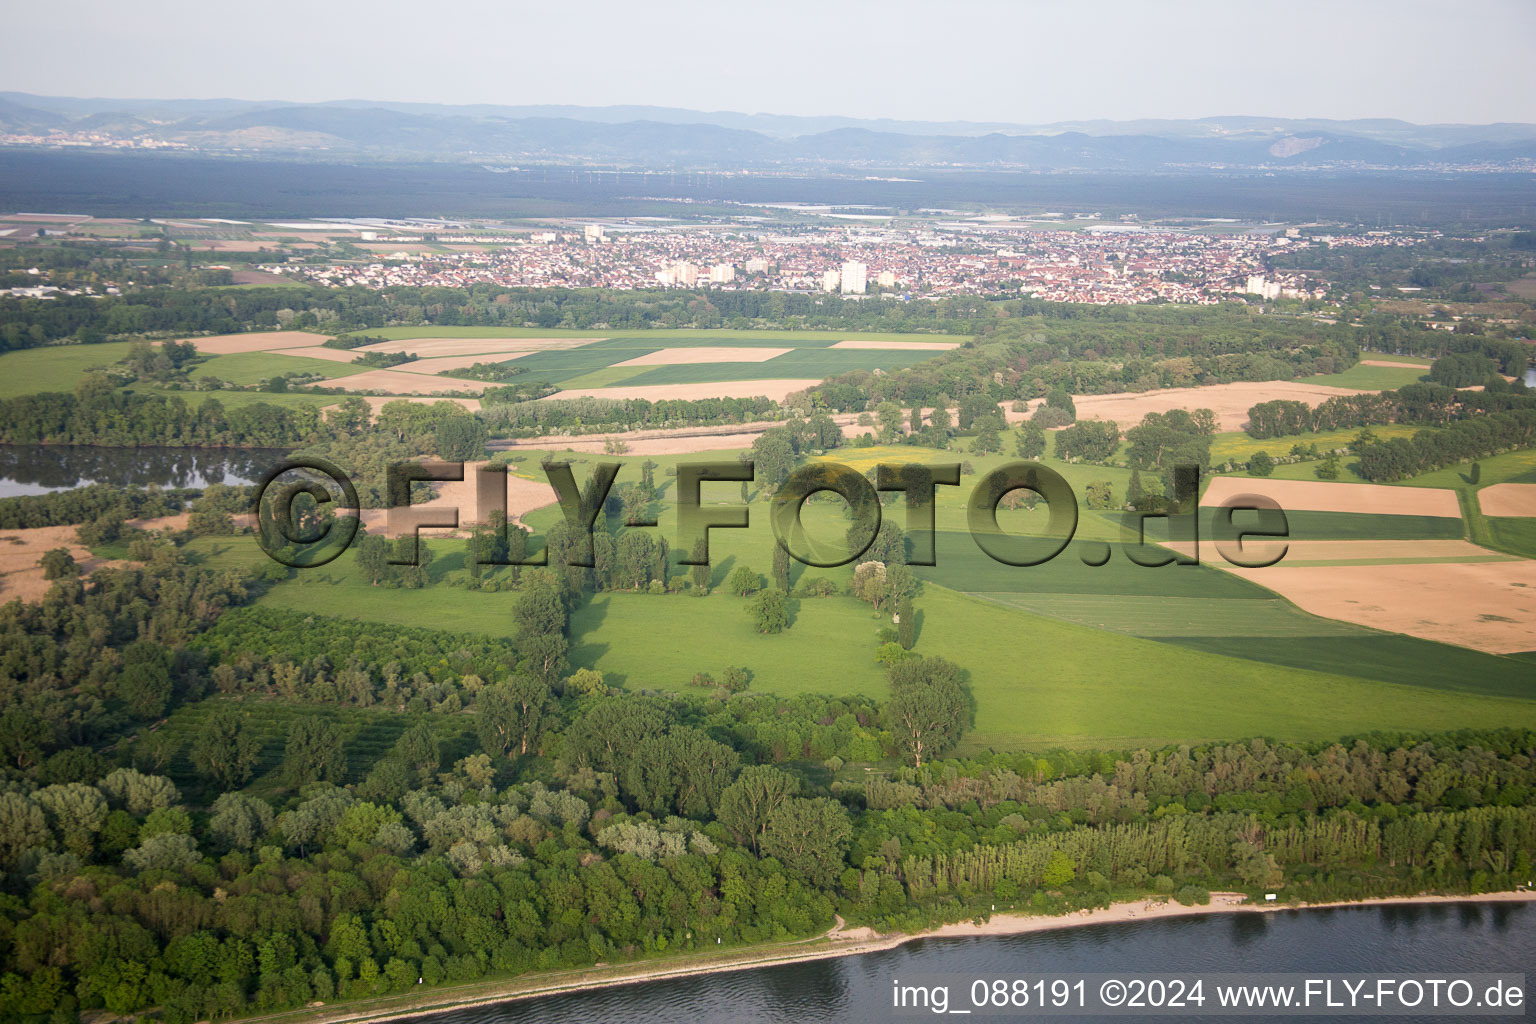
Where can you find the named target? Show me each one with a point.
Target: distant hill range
(668, 137)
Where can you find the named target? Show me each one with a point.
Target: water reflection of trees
(59, 467)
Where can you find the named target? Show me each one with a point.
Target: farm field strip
(1508, 500)
(1327, 496)
(704, 354)
(259, 341)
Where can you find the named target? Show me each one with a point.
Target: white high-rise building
(757, 266)
(886, 279)
(685, 274)
(595, 233)
(853, 281)
(830, 281)
(722, 273)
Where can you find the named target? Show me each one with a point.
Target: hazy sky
(1022, 61)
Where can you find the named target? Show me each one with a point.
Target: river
(40, 469)
(1420, 939)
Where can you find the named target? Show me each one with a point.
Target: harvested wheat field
(402, 382)
(1322, 496)
(259, 341)
(1389, 362)
(21, 576)
(773, 389)
(935, 346)
(1230, 402)
(1508, 500)
(1489, 606)
(704, 354)
(475, 346)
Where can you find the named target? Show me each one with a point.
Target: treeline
(1042, 347)
(1462, 441)
(98, 413)
(586, 415)
(1427, 404)
(196, 310)
(87, 504)
(1394, 336)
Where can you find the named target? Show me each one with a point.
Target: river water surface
(1438, 939)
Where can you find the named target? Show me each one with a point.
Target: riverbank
(838, 942)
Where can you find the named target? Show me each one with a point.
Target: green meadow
(1058, 654)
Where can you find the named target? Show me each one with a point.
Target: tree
(770, 611)
(313, 752)
(509, 716)
(928, 706)
(988, 439)
(1059, 870)
(781, 568)
(1031, 442)
(58, 563)
(239, 821)
(1100, 495)
(700, 567)
(869, 583)
(458, 438)
(1059, 398)
(224, 750)
(888, 417)
(1135, 493)
(1328, 469)
(76, 812)
(373, 558)
(419, 749)
(144, 684)
(743, 581)
(746, 803)
(906, 624)
(809, 837)
(1261, 464)
(540, 615)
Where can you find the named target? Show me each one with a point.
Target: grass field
(1372, 378)
(1059, 654)
(1508, 468)
(54, 367)
(1237, 446)
(245, 368)
(1517, 536)
(1359, 526)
